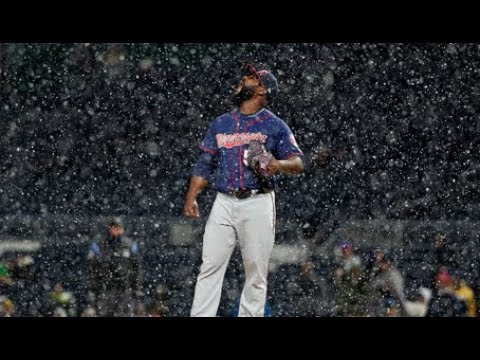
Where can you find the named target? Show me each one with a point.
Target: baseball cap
(268, 80)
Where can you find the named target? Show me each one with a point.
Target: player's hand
(191, 210)
(273, 167)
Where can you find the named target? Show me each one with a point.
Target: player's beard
(246, 93)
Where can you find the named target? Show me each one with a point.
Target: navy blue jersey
(227, 139)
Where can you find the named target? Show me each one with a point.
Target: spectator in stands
(351, 291)
(59, 312)
(417, 304)
(5, 275)
(348, 261)
(443, 256)
(89, 312)
(388, 281)
(159, 306)
(61, 298)
(465, 292)
(392, 307)
(445, 302)
(7, 307)
(27, 287)
(114, 272)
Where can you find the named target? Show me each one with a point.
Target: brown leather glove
(258, 158)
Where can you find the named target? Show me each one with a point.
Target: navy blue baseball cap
(267, 79)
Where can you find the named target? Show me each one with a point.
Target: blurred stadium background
(391, 134)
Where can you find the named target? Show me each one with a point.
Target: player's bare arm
(291, 166)
(197, 184)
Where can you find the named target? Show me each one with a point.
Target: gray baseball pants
(251, 222)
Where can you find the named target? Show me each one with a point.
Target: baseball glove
(258, 158)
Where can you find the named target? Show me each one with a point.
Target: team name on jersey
(234, 140)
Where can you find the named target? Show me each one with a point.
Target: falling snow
(383, 222)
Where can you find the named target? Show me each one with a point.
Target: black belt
(245, 194)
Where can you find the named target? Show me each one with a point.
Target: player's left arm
(290, 156)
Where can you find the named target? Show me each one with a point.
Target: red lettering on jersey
(234, 140)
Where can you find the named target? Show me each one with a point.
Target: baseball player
(242, 151)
